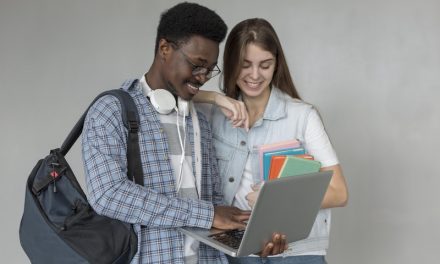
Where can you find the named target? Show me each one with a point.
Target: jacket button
(231, 179)
(243, 143)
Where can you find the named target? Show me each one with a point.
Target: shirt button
(231, 179)
(243, 143)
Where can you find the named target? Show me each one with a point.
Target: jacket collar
(276, 107)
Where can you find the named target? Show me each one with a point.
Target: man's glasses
(197, 69)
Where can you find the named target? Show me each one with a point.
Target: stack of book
(286, 158)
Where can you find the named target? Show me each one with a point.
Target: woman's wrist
(209, 97)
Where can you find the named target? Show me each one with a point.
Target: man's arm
(111, 193)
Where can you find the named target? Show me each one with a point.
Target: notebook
(296, 166)
(302, 194)
(267, 156)
(275, 146)
(277, 162)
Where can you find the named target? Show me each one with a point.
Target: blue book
(267, 157)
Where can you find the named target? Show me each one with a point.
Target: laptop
(287, 205)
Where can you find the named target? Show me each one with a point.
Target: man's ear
(164, 49)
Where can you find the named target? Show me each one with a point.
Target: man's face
(179, 62)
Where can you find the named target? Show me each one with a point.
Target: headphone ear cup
(163, 101)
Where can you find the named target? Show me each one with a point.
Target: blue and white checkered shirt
(155, 208)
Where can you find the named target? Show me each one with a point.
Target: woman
(264, 107)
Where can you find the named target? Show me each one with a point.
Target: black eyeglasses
(197, 69)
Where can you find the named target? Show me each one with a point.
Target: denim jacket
(284, 118)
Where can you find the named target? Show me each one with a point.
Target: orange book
(276, 163)
(273, 147)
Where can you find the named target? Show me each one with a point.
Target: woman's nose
(254, 72)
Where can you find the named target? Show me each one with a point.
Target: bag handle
(130, 119)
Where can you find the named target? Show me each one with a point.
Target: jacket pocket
(223, 154)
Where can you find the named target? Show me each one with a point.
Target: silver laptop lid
(288, 206)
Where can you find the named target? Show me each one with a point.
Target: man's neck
(151, 80)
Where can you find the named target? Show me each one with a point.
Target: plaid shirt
(154, 209)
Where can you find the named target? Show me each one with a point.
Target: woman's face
(257, 71)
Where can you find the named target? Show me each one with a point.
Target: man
(181, 182)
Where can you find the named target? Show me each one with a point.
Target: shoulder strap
(130, 118)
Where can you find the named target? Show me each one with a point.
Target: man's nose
(202, 78)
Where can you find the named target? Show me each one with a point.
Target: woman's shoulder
(293, 102)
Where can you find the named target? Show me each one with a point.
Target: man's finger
(242, 216)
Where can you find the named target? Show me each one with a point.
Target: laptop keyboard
(231, 238)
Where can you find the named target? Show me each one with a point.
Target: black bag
(58, 224)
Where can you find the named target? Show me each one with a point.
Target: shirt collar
(146, 89)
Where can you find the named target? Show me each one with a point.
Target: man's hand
(276, 246)
(229, 217)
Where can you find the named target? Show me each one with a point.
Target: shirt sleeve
(317, 141)
(112, 194)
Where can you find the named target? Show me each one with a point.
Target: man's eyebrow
(204, 62)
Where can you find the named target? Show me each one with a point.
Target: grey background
(371, 68)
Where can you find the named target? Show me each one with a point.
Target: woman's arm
(337, 192)
(319, 146)
(233, 109)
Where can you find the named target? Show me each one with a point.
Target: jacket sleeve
(112, 194)
(217, 196)
(214, 176)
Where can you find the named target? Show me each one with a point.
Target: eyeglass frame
(197, 69)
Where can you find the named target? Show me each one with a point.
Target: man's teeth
(193, 87)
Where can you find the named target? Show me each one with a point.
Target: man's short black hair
(184, 20)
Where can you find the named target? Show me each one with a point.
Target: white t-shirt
(187, 181)
(318, 145)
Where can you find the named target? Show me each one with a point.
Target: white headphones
(163, 102)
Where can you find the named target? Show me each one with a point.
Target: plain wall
(371, 68)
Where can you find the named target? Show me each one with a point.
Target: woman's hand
(277, 246)
(233, 109)
(252, 196)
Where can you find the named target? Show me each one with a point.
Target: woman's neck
(256, 106)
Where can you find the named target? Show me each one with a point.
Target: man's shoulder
(106, 105)
(111, 104)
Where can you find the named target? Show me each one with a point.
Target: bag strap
(130, 118)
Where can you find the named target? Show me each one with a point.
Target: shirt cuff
(201, 214)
